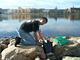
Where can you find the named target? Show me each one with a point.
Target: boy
(26, 28)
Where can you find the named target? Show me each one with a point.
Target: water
(58, 25)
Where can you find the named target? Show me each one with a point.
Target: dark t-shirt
(30, 25)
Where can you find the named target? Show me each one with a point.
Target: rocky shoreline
(68, 51)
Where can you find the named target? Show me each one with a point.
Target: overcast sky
(47, 4)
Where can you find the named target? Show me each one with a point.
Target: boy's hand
(41, 38)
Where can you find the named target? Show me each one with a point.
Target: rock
(70, 58)
(0, 56)
(5, 40)
(12, 42)
(2, 47)
(23, 52)
(51, 57)
(37, 58)
(70, 49)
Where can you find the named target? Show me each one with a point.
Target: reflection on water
(20, 17)
(66, 16)
(28, 17)
(58, 25)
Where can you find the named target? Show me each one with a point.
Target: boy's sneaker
(17, 41)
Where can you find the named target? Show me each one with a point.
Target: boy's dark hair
(45, 19)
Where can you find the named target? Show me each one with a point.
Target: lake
(58, 25)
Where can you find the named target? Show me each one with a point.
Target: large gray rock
(23, 52)
(70, 49)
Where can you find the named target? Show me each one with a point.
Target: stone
(12, 42)
(23, 52)
(69, 49)
(2, 47)
(70, 58)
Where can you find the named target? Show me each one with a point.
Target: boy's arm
(39, 35)
(35, 36)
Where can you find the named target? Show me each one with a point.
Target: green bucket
(61, 39)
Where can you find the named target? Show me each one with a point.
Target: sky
(46, 4)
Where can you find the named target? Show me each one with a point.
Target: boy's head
(43, 20)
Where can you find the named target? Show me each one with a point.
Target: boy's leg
(26, 38)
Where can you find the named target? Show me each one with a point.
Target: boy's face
(42, 21)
